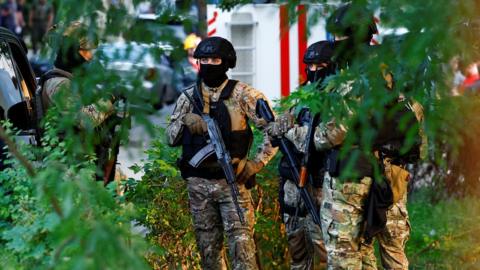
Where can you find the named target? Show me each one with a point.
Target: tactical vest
(237, 142)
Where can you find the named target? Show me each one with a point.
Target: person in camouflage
(231, 104)
(393, 238)
(305, 240)
(75, 50)
(343, 200)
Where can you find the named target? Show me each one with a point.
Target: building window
(242, 36)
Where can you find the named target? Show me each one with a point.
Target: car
(132, 61)
(17, 90)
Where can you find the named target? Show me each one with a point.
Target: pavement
(140, 139)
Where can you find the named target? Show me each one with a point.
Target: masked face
(318, 72)
(213, 75)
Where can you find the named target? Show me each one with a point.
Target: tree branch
(13, 149)
(28, 166)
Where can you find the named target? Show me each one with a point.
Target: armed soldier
(75, 50)
(344, 199)
(349, 243)
(217, 204)
(302, 220)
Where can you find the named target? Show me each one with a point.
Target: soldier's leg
(301, 254)
(342, 223)
(315, 237)
(207, 223)
(368, 256)
(241, 244)
(393, 239)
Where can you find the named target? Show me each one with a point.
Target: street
(134, 151)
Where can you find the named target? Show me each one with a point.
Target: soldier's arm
(248, 103)
(175, 127)
(297, 136)
(98, 112)
(328, 135)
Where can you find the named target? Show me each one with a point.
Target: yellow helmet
(191, 41)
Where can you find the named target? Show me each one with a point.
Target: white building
(269, 49)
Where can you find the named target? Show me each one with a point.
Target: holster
(398, 178)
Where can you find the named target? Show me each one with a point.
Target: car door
(17, 89)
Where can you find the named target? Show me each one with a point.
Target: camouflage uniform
(97, 113)
(342, 224)
(393, 239)
(213, 213)
(211, 202)
(305, 241)
(396, 234)
(342, 205)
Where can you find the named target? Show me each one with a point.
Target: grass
(445, 234)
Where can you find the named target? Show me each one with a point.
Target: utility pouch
(398, 178)
(332, 164)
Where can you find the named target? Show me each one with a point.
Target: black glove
(195, 123)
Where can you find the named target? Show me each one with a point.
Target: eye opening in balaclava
(319, 75)
(213, 75)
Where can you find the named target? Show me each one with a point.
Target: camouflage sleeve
(176, 125)
(328, 135)
(98, 113)
(297, 136)
(248, 103)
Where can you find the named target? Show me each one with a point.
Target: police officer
(304, 236)
(232, 104)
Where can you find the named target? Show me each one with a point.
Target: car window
(9, 81)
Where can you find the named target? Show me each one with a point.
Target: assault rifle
(263, 111)
(224, 159)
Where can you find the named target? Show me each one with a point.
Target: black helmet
(352, 21)
(318, 52)
(217, 47)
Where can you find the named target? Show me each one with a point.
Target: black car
(17, 89)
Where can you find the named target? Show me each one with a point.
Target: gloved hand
(250, 169)
(195, 123)
(335, 135)
(281, 125)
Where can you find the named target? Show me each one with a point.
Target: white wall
(267, 62)
(267, 33)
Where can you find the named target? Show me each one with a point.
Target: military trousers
(214, 214)
(343, 223)
(305, 239)
(393, 239)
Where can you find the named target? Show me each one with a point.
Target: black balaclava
(320, 74)
(213, 75)
(68, 58)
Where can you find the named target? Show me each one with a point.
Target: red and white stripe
(212, 28)
(285, 47)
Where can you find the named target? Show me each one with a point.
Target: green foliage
(162, 200)
(445, 234)
(60, 217)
